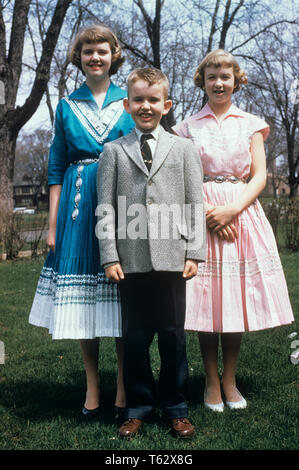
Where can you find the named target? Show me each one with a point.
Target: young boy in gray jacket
(151, 230)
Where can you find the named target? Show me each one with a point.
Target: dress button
(75, 213)
(77, 198)
(78, 182)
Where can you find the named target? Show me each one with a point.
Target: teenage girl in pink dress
(241, 287)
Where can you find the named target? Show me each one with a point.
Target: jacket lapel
(164, 144)
(131, 146)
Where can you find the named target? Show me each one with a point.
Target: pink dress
(241, 286)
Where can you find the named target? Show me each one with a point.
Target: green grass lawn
(42, 384)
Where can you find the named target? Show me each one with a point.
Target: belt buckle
(220, 179)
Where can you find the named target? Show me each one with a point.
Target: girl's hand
(220, 217)
(228, 233)
(51, 239)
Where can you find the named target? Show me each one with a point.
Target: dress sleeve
(181, 129)
(58, 150)
(259, 125)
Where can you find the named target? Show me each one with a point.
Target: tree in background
(13, 22)
(174, 36)
(274, 73)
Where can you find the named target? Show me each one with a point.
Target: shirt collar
(114, 93)
(154, 133)
(207, 111)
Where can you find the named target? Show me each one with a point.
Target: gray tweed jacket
(150, 220)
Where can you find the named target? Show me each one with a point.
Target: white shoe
(237, 405)
(219, 407)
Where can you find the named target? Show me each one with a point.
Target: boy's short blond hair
(150, 75)
(97, 34)
(220, 58)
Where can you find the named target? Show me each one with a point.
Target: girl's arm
(220, 216)
(56, 169)
(258, 174)
(55, 192)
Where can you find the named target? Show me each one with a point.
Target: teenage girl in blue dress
(74, 299)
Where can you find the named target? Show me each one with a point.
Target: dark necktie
(146, 150)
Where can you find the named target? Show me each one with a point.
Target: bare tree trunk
(228, 20)
(293, 166)
(7, 152)
(10, 71)
(156, 34)
(13, 119)
(153, 28)
(213, 27)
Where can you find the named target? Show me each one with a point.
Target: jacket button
(149, 201)
(149, 182)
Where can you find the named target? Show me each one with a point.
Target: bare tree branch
(136, 52)
(16, 46)
(23, 113)
(264, 30)
(213, 26)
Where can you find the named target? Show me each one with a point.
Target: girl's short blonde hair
(97, 34)
(220, 58)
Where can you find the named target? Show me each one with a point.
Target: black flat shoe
(119, 413)
(91, 413)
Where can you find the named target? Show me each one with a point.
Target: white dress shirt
(151, 142)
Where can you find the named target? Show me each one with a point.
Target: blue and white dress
(74, 299)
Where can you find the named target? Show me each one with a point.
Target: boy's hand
(114, 272)
(190, 269)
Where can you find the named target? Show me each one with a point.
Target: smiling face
(147, 104)
(219, 84)
(96, 60)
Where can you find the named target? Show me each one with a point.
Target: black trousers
(154, 302)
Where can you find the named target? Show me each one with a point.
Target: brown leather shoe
(130, 427)
(182, 427)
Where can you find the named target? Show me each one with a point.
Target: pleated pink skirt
(241, 286)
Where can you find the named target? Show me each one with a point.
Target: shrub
(273, 210)
(283, 215)
(11, 234)
(291, 224)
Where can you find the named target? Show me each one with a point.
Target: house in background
(29, 193)
(277, 185)
(277, 180)
(31, 170)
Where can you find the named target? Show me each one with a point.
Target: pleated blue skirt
(74, 299)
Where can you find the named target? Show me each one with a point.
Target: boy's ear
(126, 104)
(167, 106)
